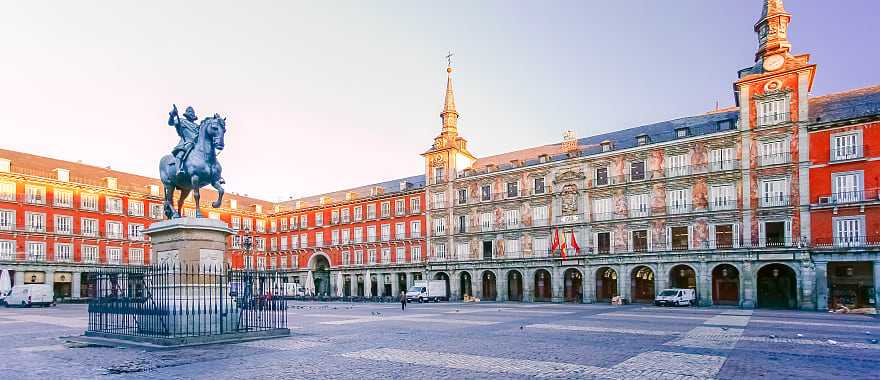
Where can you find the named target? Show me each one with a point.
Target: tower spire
(772, 29)
(449, 114)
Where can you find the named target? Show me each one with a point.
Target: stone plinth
(188, 242)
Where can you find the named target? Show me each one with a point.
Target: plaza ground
(485, 340)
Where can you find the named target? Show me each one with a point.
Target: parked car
(28, 295)
(3, 296)
(676, 297)
(427, 291)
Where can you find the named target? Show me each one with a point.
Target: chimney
(404, 185)
(543, 158)
(258, 208)
(516, 163)
(62, 175)
(5, 165)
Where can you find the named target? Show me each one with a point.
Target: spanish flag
(555, 245)
(574, 243)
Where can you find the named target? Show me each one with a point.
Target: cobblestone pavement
(487, 340)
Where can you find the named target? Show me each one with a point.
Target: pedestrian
(402, 301)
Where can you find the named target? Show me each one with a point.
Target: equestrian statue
(193, 163)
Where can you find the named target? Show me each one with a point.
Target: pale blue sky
(326, 95)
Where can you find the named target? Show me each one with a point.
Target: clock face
(773, 62)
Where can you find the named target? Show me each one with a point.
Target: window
(114, 230)
(439, 200)
(346, 236)
(371, 211)
(486, 193)
(642, 140)
(541, 247)
(511, 218)
(849, 231)
(89, 253)
(400, 231)
(156, 211)
(847, 187)
(88, 201)
(35, 194)
(334, 216)
(63, 252)
(678, 237)
(359, 257)
(512, 248)
(35, 251)
(319, 239)
(303, 221)
(606, 147)
(371, 234)
(294, 222)
(358, 213)
(512, 189)
(724, 236)
(846, 146)
(539, 185)
(601, 177)
(772, 112)
(773, 153)
(440, 226)
(294, 241)
(273, 226)
(273, 244)
(113, 205)
(678, 201)
(282, 224)
(386, 232)
(371, 256)
(462, 224)
(261, 225)
(399, 207)
(682, 132)
(7, 250)
(639, 205)
(677, 165)
(415, 205)
(214, 215)
(135, 208)
(386, 255)
(386, 209)
(602, 209)
(440, 251)
(248, 262)
(346, 215)
(722, 197)
(260, 243)
(261, 262)
(135, 231)
(415, 229)
(7, 220)
(438, 175)
(346, 258)
(539, 216)
(400, 255)
(7, 191)
(89, 227)
(637, 170)
(603, 242)
(63, 224)
(721, 159)
(725, 125)
(63, 198)
(35, 222)
(462, 196)
(774, 233)
(319, 218)
(415, 254)
(236, 222)
(136, 256)
(358, 235)
(774, 193)
(334, 237)
(639, 241)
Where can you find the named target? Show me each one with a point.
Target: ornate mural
(569, 200)
(700, 194)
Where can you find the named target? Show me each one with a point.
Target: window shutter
(762, 240)
(736, 236)
(611, 242)
(690, 237)
(630, 246)
(595, 242)
(650, 241)
(712, 238)
(788, 240)
(668, 238)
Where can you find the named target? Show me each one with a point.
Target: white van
(676, 297)
(28, 295)
(426, 291)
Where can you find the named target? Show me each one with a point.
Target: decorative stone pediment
(570, 176)
(438, 161)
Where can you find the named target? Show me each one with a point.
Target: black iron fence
(187, 301)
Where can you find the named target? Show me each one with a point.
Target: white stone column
(623, 282)
(454, 285)
(748, 285)
(704, 287)
(502, 285)
(380, 284)
(557, 285)
(822, 284)
(19, 278)
(589, 281)
(395, 285)
(876, 283)
(528, 283)
(75, 288)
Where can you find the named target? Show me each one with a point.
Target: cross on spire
(449, 59)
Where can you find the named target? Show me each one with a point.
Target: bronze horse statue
(200, 168)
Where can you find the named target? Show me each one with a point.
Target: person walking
(402, 301)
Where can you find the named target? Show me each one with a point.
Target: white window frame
(847, 187)
(771, 196)
(722, 197)
(62, 198)
(848, 230)
(88, 201)
(65, 222)
(63, 252)
(846, 145)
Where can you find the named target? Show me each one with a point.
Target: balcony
(847, 153)
(847, 241)
(848, 197)
(774, 159)
(775, 200)
(773, 119)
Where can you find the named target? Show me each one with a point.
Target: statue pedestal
(188, 242)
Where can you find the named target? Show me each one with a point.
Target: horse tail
(167, 169)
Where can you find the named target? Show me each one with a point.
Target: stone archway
(443, 277)
(543, 286)
(465, 285)
(514, 286)
(642, 280)
(320, 266)
(490, 291)
(606, 284)
(725, 285)
(777, 287)
(682, 277)
(574, 285)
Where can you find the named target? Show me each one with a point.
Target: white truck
(676, 297)
(426, 291)
(28, 295)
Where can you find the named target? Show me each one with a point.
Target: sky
(326, 95)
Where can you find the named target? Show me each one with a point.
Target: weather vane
(449, 58)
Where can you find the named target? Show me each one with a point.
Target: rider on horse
(188, 131)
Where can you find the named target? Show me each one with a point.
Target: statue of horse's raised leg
(219, 187)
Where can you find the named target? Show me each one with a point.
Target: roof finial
(772, 29)
(449, 114)
(449, 61)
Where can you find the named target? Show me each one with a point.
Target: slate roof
(389, 187)
(845, 105)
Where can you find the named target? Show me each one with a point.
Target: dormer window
(543, 158)
(682, 132)
(606, 146)
(725, 125)
(642, 140)
(62, 175)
